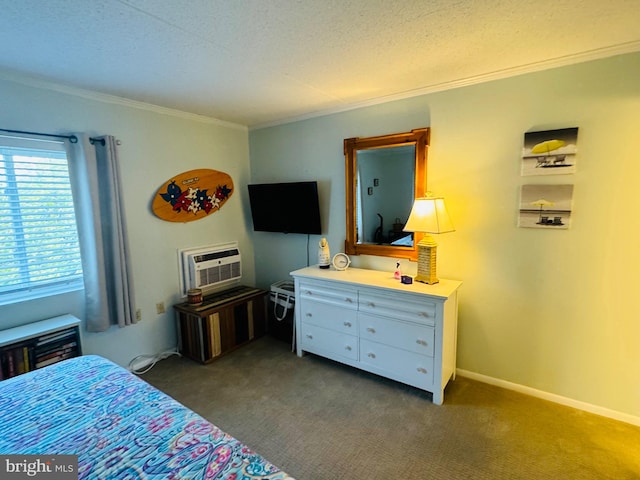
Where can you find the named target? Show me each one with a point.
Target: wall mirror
(383, 176)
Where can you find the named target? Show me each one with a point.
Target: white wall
(156, 145)
(551, 310)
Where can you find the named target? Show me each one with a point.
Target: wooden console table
(224, 321)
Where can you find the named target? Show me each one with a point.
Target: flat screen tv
(285, 207)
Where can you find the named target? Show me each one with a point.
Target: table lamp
(428, 215)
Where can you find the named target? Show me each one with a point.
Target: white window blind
(39, 250)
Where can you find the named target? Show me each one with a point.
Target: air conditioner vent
(209, 267)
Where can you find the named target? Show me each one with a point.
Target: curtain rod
(71, 138)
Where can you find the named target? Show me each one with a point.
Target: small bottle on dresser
(397, 274)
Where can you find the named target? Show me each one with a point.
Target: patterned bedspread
(119, 426)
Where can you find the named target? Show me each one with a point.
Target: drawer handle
(371, 330)
(310, 337)
(371, 355)
(309, 292)
(422, 370)
(371, 304)
(348, 300)
(421, 342)
(308, 314)
(347, 324)
(348, 348)
(423, 314)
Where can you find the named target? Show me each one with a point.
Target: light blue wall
(156, 145)
(550, 310)
(554, 311)
(313, 150)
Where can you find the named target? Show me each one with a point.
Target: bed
(119, 426)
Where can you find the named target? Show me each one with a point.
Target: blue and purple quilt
(119, 426)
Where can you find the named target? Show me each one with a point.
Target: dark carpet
(317, 419)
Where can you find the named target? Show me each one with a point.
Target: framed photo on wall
(550, 152)
(545, 206)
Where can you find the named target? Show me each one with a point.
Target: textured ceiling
(257, 62)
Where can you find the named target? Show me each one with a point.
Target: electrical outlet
(160, 308)
(138, 314)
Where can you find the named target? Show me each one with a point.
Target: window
(39, 250)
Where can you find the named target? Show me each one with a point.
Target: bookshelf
(38, 344)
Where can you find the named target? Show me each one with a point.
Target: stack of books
(55, 347)
(38, 352)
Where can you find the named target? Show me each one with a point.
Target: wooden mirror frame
(420, 138)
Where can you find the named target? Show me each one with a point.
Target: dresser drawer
(412, 368)
(340, 297)
(328, 342)
(329, 316)
(400, 306)
(408, 336)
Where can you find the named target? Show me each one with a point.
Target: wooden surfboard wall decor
(192, 195)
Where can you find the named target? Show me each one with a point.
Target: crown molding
(567, 60)
(596, 54)
(114, 99)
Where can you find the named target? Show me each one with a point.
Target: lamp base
(426, 280)
(427, 248)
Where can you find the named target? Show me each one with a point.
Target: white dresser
(369, 320)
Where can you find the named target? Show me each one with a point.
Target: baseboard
(569, 402)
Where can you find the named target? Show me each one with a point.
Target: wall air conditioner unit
(210, 267)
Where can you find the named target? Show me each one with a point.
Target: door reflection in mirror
(389, 173)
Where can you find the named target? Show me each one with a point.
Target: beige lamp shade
(429, 215)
